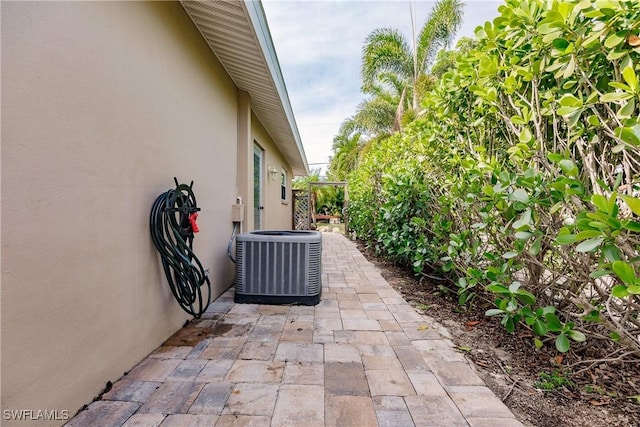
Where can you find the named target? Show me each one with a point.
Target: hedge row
(520, 180)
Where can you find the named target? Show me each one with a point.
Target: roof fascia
(259, 21)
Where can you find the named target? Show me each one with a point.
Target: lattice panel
(300, 209)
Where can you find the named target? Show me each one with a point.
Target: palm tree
(382, 112)
(387, 53)
(396, 77)
(346, 151)
(375, 117)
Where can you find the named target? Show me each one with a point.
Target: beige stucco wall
(277, 214)
(103, 103)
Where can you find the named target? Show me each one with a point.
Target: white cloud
(319, 44)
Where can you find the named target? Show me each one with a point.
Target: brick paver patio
(361, 357)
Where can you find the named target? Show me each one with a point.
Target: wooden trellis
(301, 209)
(304, 206)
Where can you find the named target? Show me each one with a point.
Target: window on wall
(283, 185)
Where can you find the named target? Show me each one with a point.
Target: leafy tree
(446, 59)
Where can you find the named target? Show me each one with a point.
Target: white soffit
(238, 34)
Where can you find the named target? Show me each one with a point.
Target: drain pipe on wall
(237, 216)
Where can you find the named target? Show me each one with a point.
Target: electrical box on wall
(237, 212)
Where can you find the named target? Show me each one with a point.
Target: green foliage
(395, 78)
(446, 59)
(329, 200)
(394, 69)
(346, 153)
(302, 182)
(552, 381)
(520, 180)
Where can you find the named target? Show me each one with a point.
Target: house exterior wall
(277, 215)
(103, 103)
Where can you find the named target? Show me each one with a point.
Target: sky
(319, 44)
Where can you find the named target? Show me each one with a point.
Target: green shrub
(520, 179)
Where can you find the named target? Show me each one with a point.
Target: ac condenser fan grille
(279, 267)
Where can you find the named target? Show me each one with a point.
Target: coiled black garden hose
(172, 227)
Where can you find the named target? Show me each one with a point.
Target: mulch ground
(541, 386)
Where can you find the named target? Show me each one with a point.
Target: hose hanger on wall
(173, 224)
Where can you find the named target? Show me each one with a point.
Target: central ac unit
(279, 267)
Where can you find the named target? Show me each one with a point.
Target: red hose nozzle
(192, 221)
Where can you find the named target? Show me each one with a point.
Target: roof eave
(222, 24)
(256, 13)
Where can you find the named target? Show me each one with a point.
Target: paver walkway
(361, 357)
